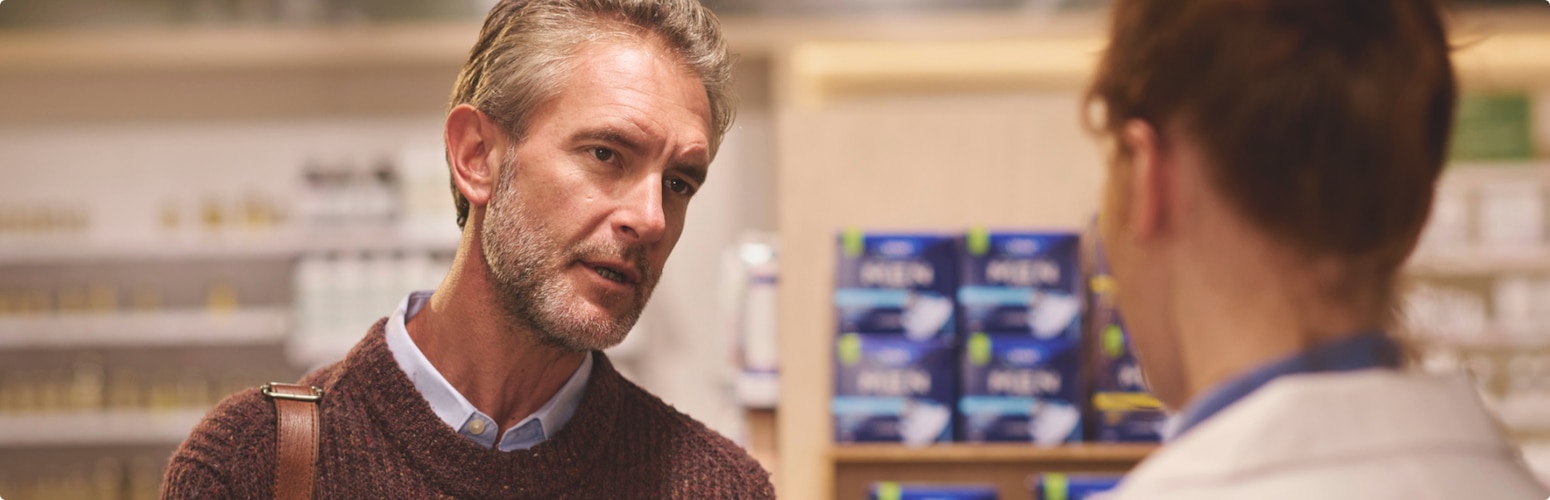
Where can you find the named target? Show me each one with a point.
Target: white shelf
(77, 249)
(111, 428)
(315, 351)
(194, 327)
(1480, 261)
(274, 245)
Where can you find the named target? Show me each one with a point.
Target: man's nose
(639, 218)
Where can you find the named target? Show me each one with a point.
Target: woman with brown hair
(1273, 163)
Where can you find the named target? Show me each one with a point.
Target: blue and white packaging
(1030, 283)
(1056, 486)
(891, 389)
(897, 284)
(1017, 388)
(1124, 410)
(895, 491)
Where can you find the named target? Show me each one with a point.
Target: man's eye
(603, 154)
(679, 186)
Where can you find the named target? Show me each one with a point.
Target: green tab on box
(1055, 486)
(1495, 126)
(889, 491)
(979, 349)
(854, 241)
(849, 349)
(979, 240)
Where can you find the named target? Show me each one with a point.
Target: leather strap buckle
(296, 438)
(278, 390)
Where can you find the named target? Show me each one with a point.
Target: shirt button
(476, 426)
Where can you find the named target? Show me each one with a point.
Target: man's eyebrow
(609, 135)
(694, 171)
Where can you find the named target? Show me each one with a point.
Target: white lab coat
(1370, 435)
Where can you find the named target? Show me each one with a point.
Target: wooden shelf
(968, 453)
(1508, 59)
(171, 328)
(111, 428)
(1007, 466)
(446, 44)
(1480, 261)
(1488, 345)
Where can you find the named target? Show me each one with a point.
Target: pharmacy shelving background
(205, 209)
(909, 135)
(187, 212)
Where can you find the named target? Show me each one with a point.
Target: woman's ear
(474, 146)
(1150, 180)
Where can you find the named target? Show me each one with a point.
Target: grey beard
(526, 266)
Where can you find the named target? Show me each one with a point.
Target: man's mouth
(611, 275)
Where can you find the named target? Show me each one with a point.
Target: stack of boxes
(1122, 408)
(978, 338)
(1020, 302)
(894, 378)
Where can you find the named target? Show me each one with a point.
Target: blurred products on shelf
(896, 372)
(1020, 304)
(86, 386)
(1493, 126)
(748, 270)
(338, 296)
(889, 490)
(1122, 408)
(975, 337)
(1059, 486)
(42, 220)
(107, 478)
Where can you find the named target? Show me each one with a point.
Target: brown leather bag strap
(296, 454)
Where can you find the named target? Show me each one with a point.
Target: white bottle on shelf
(1512, 215)
(346, 295)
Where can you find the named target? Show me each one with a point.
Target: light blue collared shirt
(1363, 351)
(457, 412)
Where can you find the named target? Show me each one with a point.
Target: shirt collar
(453, 409)
(1357, 352)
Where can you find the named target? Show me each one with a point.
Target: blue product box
(891, 389)
(1123, 409)
(1055, 486)
(1017, 388)
(1022, 283)
(895, 491)
(897, 284)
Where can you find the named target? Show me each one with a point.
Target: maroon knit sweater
(380, 439)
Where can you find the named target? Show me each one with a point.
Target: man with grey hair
(579, 131)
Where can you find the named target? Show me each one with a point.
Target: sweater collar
(403, 416)
(454, 409)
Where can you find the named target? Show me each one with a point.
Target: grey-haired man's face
(590, 203)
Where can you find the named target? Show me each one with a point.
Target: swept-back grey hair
(526, 47)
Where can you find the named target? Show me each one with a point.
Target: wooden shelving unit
(1008, 466)
(863, 128)
(970, 453)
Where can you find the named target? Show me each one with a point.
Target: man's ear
(1150, 182)
(474, 146)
